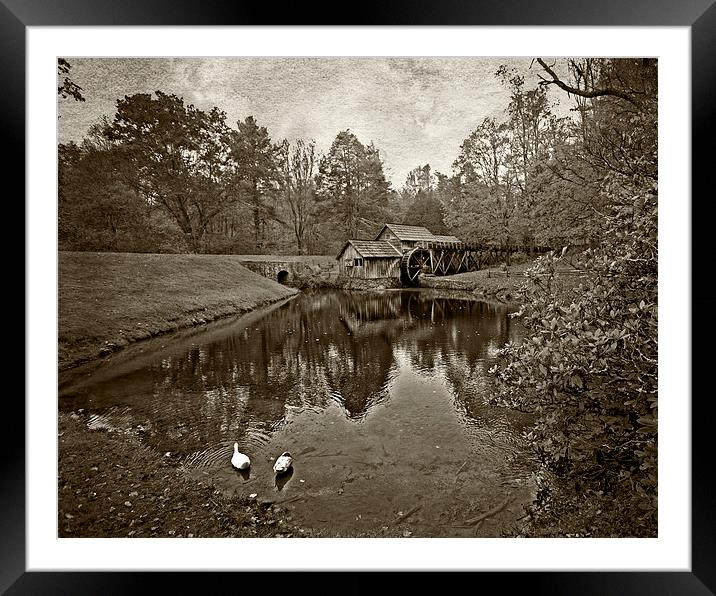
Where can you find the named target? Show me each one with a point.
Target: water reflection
(243, 474)
(323, 349)
(282, 479)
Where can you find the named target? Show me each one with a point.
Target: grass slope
(107, 300)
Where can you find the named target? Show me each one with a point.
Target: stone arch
(282, 276)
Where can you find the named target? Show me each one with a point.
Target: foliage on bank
(588, 366)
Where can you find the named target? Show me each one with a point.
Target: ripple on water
(218, 454)
(213, 456)
(114, 419)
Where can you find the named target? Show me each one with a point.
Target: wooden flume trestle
(449, 258)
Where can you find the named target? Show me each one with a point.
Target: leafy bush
(588, 366)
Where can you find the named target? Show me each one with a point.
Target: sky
(415, 110)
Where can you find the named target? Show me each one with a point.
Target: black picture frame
(699, 15)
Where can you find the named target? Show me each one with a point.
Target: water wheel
(413, 263)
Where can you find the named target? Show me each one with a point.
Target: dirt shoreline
(111, 484)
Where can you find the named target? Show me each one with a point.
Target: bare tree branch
(580, 92)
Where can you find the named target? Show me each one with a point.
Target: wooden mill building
(379, 258)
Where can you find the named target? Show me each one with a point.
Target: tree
(591, 81)
(351, 185)
(178, 158)
(427, 211)
(96, 211)
(298, 164)
(67, 88)
(611, 97)
(419, 179)
(257, 161)
(419, 205)
(588, 366)
(485, 204)
(535, 133)
(619, 113)
(525, 179)
(567, 199)
(376, 191)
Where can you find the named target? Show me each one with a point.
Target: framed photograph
(416, 70)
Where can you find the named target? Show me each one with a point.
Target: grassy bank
(108, 300)
(499, 283)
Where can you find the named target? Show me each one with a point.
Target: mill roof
(372, 248)
(409, 233)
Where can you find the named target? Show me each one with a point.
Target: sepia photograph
(357, 297)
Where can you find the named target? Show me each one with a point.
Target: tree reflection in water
(242, 383)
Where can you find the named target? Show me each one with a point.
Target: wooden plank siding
(352, 264)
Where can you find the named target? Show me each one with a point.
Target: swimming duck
(283, 463)
(240, 460)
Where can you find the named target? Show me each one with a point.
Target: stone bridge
(284, 268)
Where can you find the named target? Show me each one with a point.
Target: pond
(379, 396)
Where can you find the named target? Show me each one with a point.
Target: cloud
(415, 110)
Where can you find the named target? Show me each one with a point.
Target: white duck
(240, 460)
(283, 463)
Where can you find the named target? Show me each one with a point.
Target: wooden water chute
(447, 258)
(451, 257)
